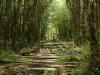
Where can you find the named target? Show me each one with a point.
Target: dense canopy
(28, 23)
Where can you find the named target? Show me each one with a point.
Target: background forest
(25, 23)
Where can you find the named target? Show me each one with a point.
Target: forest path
(45, 62)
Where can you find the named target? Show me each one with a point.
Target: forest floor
(51, 59)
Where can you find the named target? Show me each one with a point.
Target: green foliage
(24, 22)
(69, 58)
(50, 72)
(8, 56)
(82, 58)
(84, 61)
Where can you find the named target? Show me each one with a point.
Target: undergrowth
(82, 58)
(84, 62)
(8, 56)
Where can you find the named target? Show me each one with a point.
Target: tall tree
(93, 21)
